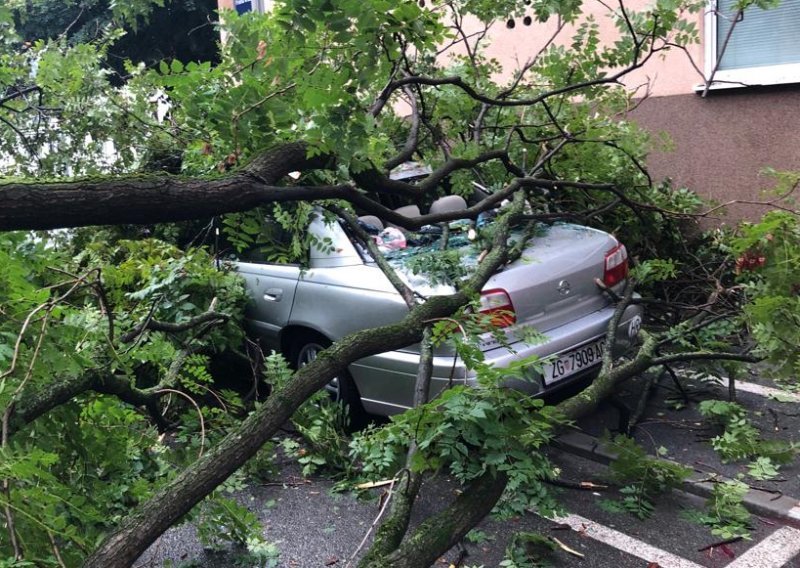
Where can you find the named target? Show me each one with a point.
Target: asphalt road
(685, 433)
(314, 527)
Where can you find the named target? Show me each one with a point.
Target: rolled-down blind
(763, 37)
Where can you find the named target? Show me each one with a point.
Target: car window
(257, 237)
(272, 247)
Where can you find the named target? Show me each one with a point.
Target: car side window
(274, 245)
(257, 237)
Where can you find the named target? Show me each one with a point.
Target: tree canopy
(102, 326)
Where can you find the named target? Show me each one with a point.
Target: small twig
(45, 306)
(374, 523)
(302, 481)
(105, 308)
(138, 335)
(216, 396)
(581, 485)
(462, 555)
(405, 292)
(676, 380)
(56, 551)
(765, 521)
(720, 543)
(566, 548)
(722, 49)
(155, 325)
(199, 414)
(774, 415)
(717, 477)
(674, 424)
(650, 382)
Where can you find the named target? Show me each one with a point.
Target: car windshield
(422, 261)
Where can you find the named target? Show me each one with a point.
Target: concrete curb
(758, 502)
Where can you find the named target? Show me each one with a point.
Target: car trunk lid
(554, 281)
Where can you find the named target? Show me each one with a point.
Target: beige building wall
(666, 73)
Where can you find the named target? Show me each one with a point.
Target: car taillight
(497, 304)
(616, 267)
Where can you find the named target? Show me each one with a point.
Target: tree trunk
(442, 531)
(159, 198)
(394, 527)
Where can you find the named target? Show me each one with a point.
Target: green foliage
(655, 270)
(768, 264)
(762, 469)
(323, 425)
(440, 266)
(477, 536)
(469, 431)
(279, 237)
(321, 422)
(741, 440)
(80, 468)
(643, 477)
(260, 554)
(724, 513)
(529, 550)
(262, 466)
(222, 521)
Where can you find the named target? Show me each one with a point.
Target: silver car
(300, 310)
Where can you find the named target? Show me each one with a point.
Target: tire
(341, 389)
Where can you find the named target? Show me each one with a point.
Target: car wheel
(341, 388)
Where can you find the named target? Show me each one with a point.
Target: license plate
(573, 361)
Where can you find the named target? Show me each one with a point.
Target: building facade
(730, 105)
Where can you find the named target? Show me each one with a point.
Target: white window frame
(259, 6)
(262, 5)
(743, 77)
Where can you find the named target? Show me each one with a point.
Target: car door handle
(273, 294)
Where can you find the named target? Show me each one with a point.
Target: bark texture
(442, 531)
(140, 199)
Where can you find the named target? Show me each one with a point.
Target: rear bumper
(386, 381)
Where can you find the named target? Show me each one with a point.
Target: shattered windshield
(437, 257)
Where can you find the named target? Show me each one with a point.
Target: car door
(272, 290)
(271, 285)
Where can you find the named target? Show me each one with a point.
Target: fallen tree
(310, 89)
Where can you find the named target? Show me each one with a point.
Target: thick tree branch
(152, 199)
(135, 533)
(168, 327)
(440, 532)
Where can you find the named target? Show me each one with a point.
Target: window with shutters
(757, 46)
